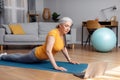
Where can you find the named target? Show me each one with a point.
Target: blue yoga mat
(46, 65)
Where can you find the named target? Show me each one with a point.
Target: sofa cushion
(7, 29)
(16, 29)
(30, 28)
(45, 27)
(68, 37)
(21, 38)
(42, 37)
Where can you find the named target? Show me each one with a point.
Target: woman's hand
(60, 68)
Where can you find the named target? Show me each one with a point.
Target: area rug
(46, 65)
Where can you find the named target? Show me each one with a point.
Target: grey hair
(65, 19)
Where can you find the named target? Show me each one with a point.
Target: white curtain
(15, 11)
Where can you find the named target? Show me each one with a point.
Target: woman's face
(65, 28)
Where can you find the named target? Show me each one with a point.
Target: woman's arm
(49, 46)
(65, 52)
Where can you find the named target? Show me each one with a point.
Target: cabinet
(33, 17)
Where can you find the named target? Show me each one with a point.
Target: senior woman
(54, 43)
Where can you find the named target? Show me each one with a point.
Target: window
(15, 11)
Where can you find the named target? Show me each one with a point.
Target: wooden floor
(80, 54)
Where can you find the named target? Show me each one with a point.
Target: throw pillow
(16, 29)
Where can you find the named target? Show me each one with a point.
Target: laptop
(94, 69)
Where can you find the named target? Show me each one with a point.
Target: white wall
(40, 7)
(82, 10)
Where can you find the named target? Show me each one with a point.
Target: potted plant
(55, 16)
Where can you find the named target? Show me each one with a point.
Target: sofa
(35, 34)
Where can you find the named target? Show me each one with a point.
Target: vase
(46, 14)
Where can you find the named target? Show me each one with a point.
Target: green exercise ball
(103, 39)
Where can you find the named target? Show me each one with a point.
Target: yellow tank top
(40, 51)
